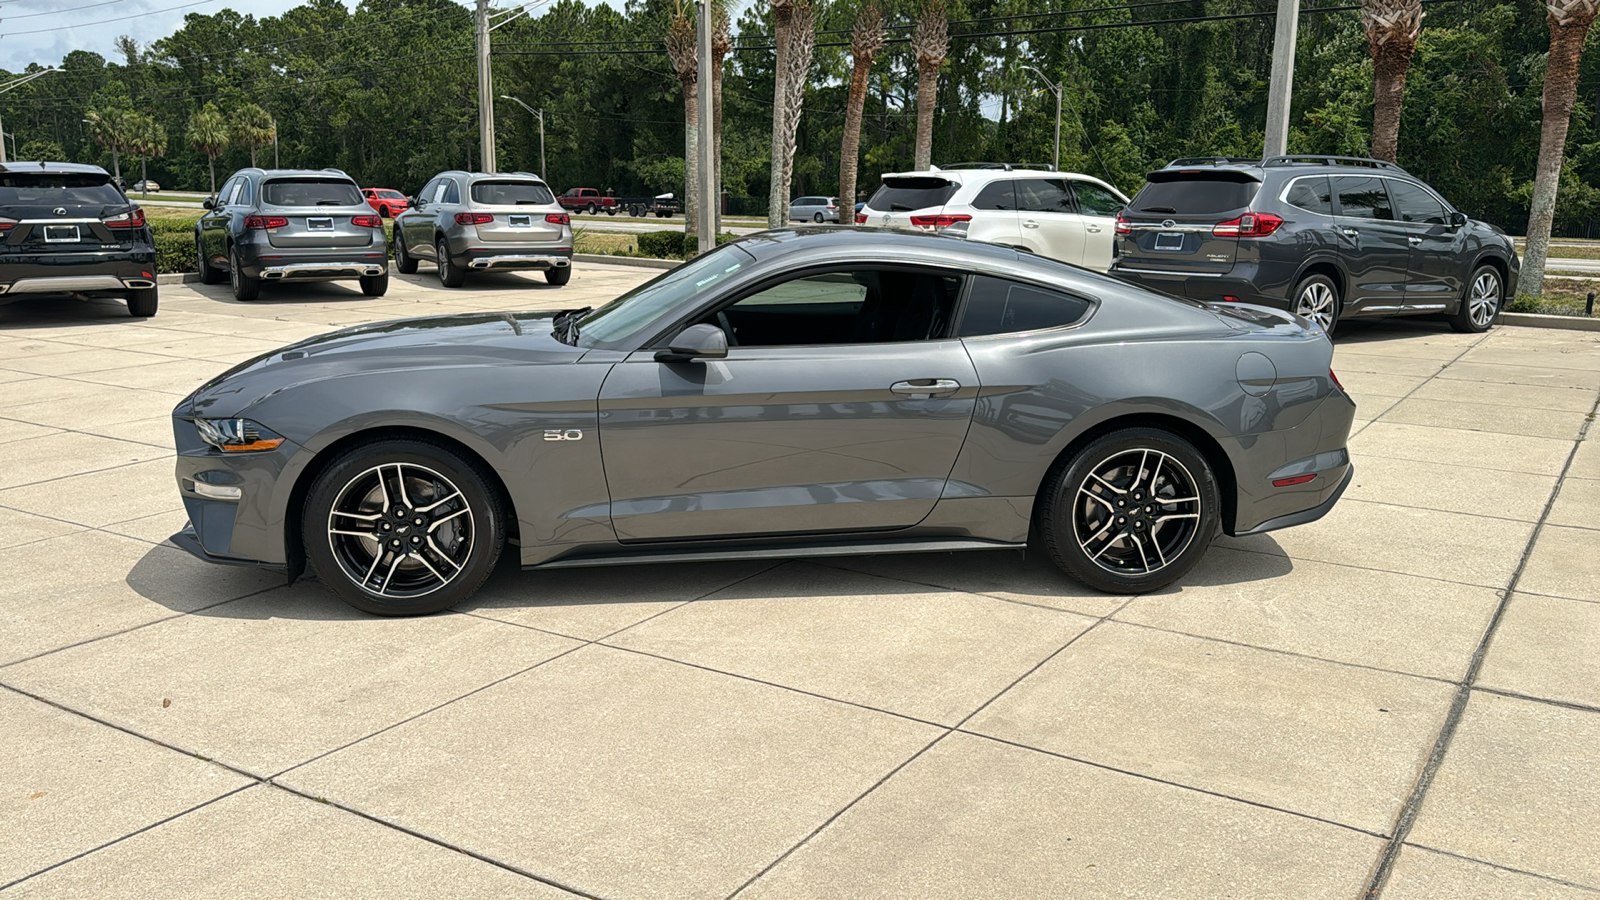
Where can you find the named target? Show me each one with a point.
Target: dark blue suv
(1325, 237)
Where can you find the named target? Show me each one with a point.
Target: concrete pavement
(1404, 694)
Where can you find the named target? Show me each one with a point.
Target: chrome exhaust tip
(138, 283)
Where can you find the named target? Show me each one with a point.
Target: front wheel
(1480, 305)
(1131, 512)
(450, 274)
(402, 527)
(1316, 297)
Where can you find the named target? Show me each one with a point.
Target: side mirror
(695, 342)
(1458, 219)
(208, 203)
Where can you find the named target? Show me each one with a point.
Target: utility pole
(704, 210)
(1055, 87)
(537, 114)
(1281, 88)
(485, 90)
(16, 83)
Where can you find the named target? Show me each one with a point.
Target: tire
(817, 218)
(375, 285)
(142, 302)
(558, 275)
(245, 288)
(1084, 496)
(591, 209)
(1480, 302)
(367, 487)
(611, 210)
(1316, 297)
(208, 275)
(450, 275)
(384, 213)
(402, 259)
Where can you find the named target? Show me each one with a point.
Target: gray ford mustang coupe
(795, 393)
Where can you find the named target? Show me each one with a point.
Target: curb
(637, 261)
(1536, 320)
(178, 278)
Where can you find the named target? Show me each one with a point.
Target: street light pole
(485, 90)
(1055, 87)
(708, 180)
(1280, 88)
(537, 114)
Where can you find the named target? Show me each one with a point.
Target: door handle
(1414, 241)
(925, 388)
(1029, 223)
(1094, 229)
(1350, 232)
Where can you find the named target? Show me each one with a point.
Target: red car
(389, 203)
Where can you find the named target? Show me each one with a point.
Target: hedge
(673, 244)
(175, 246)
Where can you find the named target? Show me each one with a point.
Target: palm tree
(209, 134)
(149, 139)
(1392, 27)
(721, 46)
(802, 35)
(1569, 27)
(681, 46)
(112, 127)
(930, 41)
(866, 42)
(252, 127)
(777, 193)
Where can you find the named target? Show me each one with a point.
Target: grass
(586, 241)
(1562, 297)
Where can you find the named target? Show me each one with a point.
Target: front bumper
(248, 530)
(188, 539)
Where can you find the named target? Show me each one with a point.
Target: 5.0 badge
(558, 434)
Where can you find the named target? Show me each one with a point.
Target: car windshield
(613, 326)
(56, 187)
(511, 193)
(312, 192)
(390, 195)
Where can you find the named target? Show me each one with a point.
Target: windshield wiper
(1166, 209)
(565, 324)
(333, 203)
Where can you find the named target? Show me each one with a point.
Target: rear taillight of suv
(1123, 225)
(861, 218)
(1335, 379)
(133, 219)
(558, 218)
(1247, 225)
(473, 218)
(265, 222)
(940, 221)
(366, 221)
(7, 224)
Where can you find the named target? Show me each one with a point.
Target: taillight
(7, 224)
(861, 219)
(939, 221)
(366, 221)
(1335, 380)
(265, 222)
(133, 219)
(473, 218)
(558, 218)
(1123, 225)
(1248, 225)
(1291, 482)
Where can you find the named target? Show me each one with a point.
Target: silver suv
(476, 221)
(290, 225)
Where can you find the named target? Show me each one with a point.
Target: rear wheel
(142, 302)
(1316, 297)
(402, 259)
(1132, 512)
(202, 264)
(245, 288)
(817, 218)
(1480, 306)
(375, 285)
(591, 209)
(450, 274)
(558, 275)
(402, 527)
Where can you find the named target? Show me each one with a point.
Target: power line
(105, 21)
(58, 11)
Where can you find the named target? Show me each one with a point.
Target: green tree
(209, 134)
(253, 127)
(866, 42)
(36, 149)
(1392, 27)
(114, 128)
(149, 139)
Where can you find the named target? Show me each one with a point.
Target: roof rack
(1214, 161)
(1320, 160)
(1004, 167)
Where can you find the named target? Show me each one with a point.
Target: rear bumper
(1239, 285)
(322, 271)
(493, 260)
(479, 255)
(1288, 520)
(285, 264)
(51, 273)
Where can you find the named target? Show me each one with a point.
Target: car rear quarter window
(452, 192)
(86, 189)
(1197, 195)
(1362, 197)
(1044, 195)
(511, 193)
(1312, 194)
(997, 195)
(912, 193)
(310, 192)
(1094, 200)
(999, 306)
(1415, 204)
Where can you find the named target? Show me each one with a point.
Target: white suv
(1060, 215)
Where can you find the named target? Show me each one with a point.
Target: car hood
(482, 340)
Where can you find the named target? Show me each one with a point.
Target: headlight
(237, 435)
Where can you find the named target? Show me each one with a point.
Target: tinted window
(1362, 197)
(1195, 196)
(1046, 195)
(389, 195)
(906, 194)
(1000, 195)
(1415, 204)
(1312, 194)
(311, 192)
(997, 306)
(1094, 200)
(509, 193)
(54, 187)
(639, 309)
(863, 306)
(226, 191)
(452, 192)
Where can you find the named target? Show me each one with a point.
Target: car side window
(452, 192)
(857, 306)
(1045, 195)
(1312, 194)
(999, 306)
(235, 198)
(426, 194)
(1416, 205)
(1362, 197)
(1094, 200)
(243, 193)
(224, 192)
(998, 195)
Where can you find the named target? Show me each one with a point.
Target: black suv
(1326, 237)
(68, 230)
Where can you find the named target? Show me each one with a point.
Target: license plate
(324, 224)
(61, 234)
(520, 221)
(1169, 240)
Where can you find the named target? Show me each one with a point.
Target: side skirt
(802, 551)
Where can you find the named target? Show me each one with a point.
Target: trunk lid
(1171, 225)
(42, 211)
(315, 212)
(517, 209)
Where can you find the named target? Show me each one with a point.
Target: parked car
(147, 187)
(588, 200)
(282, 225)
(479, 222)
(789, 393)
(1059, 215)
(1326, 237)
(387, 201)
(814, 209)
(68, 230)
